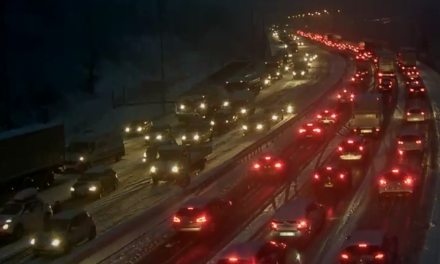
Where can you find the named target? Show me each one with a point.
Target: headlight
(9, 221)
(183, 137)
(159, 137)
(294, 73)
(127, 129)
(307, 54)
(269, 77)
(182, 107)
(212, 123)
(175, 169)
(290, 55)
(196, 137)
(285, 46)
(5, 226)
(145, 155)
(274, 117)
(32, 242)
(202, 106)
(303, 72)
(139, 129)
(259, 126)
(72, 189)
(243, 111)
(266, 81)
(225, 103)
(245, 127)
(286, 68)
(309, 64)
(81, 158)
(153, 169)
(92, 188)
(55, 242)
(147, 137)
(289, 109)
(278, 73)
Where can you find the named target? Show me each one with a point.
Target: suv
(199, 215)
(299, 219)
(369, 247)
(95, 183)
(250, 252)
(25, 212)
(64, 231)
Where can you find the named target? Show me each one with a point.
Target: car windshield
(170, 155)
(11, 209)
(57, 225)
(78, 147)
(362, 251)
(90, 177)
(194, 212)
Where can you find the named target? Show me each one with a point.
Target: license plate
(366, 131)
(329, 185)
(326, 121)
(287, 234)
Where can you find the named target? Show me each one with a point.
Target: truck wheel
(18, 231)
(92, 233)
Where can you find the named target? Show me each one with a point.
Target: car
(312, 130)
(197, 133)
(137, 127)
(327, 117)
(385, 84)
(298, 220)
(345, 96)
(267, 167)
(24, 213)
(415, 114)
(158, 134)
(273, 68)
(416, 89)
(362, 71)
(300, 69)
(357, 78)
(275, 113)
(94, 183)
(331, 177)
(352, 149)
(369, 246)
(256, 123)
(396, 181)
(223, 121)
(410, 140)
(249, 252)
(411, 74)
(200, 215)
(62, 232)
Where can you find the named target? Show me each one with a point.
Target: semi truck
(407, 58)
(176, 162)
(386, 63)
(367, 114)
(31, 156)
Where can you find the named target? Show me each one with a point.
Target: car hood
(79, 184)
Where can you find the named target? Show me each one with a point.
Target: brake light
(278, 165)
(267, 158)
(379, 256)
(341, 176)
(233, 259)
(318, 130)
(302, 130)
(423, 113)
(418, 142)
(333, 116)
(422, 89)
(340, 148)
(339, 96)
(361, 148)
(400, 142)
(190, 208)
(380, 74)
(408, 114)
(352, 95)
(408, 181)
(319, 116)
(316, 176)
(273, 225)
(256, 166)
(357, 75)
(411, 90)
(350, 142)
(344, 256)
(352, 79)
(302, 224)
(382, 182)
(362, 245)
(201, 219)
(176, 220)
(309, 124)
(345, 91)
(400, 152)
(395, 171)
(329, 168)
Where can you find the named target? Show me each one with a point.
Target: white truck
(91, 148)
(176, 162)
(24, 213)
(367, 114)
(386, 63)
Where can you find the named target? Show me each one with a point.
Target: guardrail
(107, 239)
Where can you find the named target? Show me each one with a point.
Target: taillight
(302, 224)
(423, 113)
(352, 79)
(233, 259)
(411, 90)
(408, 114)
(256, 166)
(401, 152)
(278, 165)
(316, 176)
(363, 245)
(340, 148)
(361, 148)
(400, 142)
(176, 219)
(201, 219)
(344, 256)
(418, 142)
(341, 176)
(422, 89)
(317, 130)
(273, 225)
(333, 116)
(302, 131)
(339, 96)
(380, 74)
(408, 181)
(379, 256)
(382, 182)
(352, 95)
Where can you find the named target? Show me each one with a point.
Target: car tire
(18, 232)
(92, 233)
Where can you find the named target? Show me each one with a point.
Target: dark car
(352, 149)
(250, 252)
(273, 68)
(416, 89)
(269, 167)
(312, 130)
(411, 75)
(137, 127)
(159, 134)
(332, 177)
(95, 183)
(396, 182)
(223, 121)
(276, 113)
(256, 123)
(200, 215)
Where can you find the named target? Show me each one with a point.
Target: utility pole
(4, 86)
(160, 9)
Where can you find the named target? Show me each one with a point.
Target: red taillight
(201, 219)
(233, 259)
(340, 148)
(382, 182)
(319, 116)
(344, 256)
(418, 142)
(302, 224)
(302, 131)
(380, 74)
(316, 176)
(352, 79)
(379, 256)
(256, 166)
(339, 96)
(422, 89)
(395, 171)
(400, 142)
(423, 113)
(278, 165)
(273, 225)
(329, 168)
(352, 95)
(333, 116)
(401, 152)
(176, 220)
(408, 181)
(361, 148)
(362, 245)
(317, 130)
(408, 114)
(341, 176)
(350, 142)
(267, 158)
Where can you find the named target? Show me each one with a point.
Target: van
(91, 148)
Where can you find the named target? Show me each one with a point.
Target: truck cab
(386, 64)
(88, 149)
(240, 101)
(223, 120)
(25, 212)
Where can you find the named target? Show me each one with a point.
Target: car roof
(368, 236)
(198, 202)
(68, 214)
(245, 250)
(98, 169)
(294, 209)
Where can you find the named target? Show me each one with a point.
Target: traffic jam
(331, 174)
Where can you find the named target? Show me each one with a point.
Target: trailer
(386, 63)
(367, 114)
(31, 156)
(407, 58)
